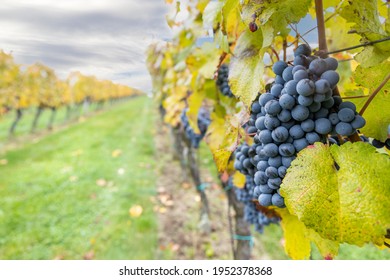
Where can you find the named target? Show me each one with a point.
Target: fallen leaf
(135, 211)
(3, 161)
(101, 182)
(116, 153)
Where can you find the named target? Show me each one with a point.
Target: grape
(358, 122)
(286, 150)
(301, 60)
(259, 124)
(300, 113)
(296, 132)
(274, 183)
(312, 137)
(272, 107)
(266, 189)
(337, 100)
(347, 104)
(315, 106)
(253, 26)
(276, 90)
(272, 172)
(387, 143)
(288, 124)
(334, 118)
(344, 128)
(256, 107)
(287, 73)
(271, 122)
(332, 77)
(275, 161)
(308, 125)
(302, 49)
(280, 134)
(277, 200)
(300, 144)
(284, 115)
(260, 178)
(291, 87)
(278, 67)
(282, 170)
(203, 123)
(318, 66)
(378, 144)
(222, 81)
(300, 75)
(305, 100)
(329, 95)
(262, 165)
(287, 101)
(346, 115)
(322, 113)
(306, 87)
(319, 97)
(271, 150)
(265, 199)
(265, 136)
(297, 68)
(331, 63)
(328, 103)
(323, 126)
(286, 161)
(264, 98)
(322, 86)
(279, 80)
(252, 130)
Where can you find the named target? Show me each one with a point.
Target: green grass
(52, 207)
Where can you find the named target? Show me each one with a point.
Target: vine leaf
(377, 114)
(239, 180)
(341, 192)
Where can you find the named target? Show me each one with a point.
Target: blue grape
(278, 67)
(271, 122)
(301, 60)
(272, 107)
(318, 66)
(272, 172)
(280, 134)
(279, 80)
(296, 132)
(296, 68)
(284, 115)
(328, 103)
(282, 171)
(291, 87)
(275, 161)
(322, 113)
(308, 125)
(259, 124)
(274, 183)
(323, 126)
(332, 77)
(344, 129)
(319, 97)
(265, 136)
(287, 73)
(346, 115)
(266, 189)
(286, 161)
(314, 107)
(334, 119)
(288, 124)
(262, 165)
(322, 86)
(305, 100)
(265, 199)
(303, 49)
(300, 75)
(287, 101)
(265, 97)
(260, 178)
(271, 150)
(331, 63)
(312, 137)
(347, 104)
(306, 87)
(286, 150)
(277, 200)
(300, 144)
(276, 90)
(358, 122)
(256, 107)
(300, 113)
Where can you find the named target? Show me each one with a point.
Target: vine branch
(361, 45)
(372, 96)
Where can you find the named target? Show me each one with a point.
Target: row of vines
(299, 131)
(37, 86)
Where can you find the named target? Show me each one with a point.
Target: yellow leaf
(135, 211)
(239, 179)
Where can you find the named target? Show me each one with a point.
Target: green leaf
(347, 205)
(377, 114)
(212, 14)
(246, 67)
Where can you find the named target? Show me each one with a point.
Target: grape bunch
(222, 80)
(298, 110)
(251, 215)
(203, 123)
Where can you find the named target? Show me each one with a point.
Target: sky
(104, 38)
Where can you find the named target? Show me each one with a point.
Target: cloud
(102, 38)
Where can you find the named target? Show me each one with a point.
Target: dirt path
(178, 211)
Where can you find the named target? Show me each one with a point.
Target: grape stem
(361, 45)
(372, 96)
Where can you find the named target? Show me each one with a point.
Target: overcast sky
(105, 38)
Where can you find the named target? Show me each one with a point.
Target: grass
(68, 195)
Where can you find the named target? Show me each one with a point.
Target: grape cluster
(298, 110)
(203, 123)
(222, 80)
(246, 195)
